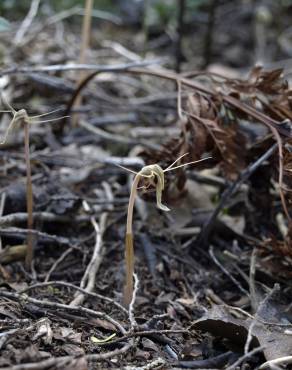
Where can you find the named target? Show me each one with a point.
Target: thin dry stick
(226, 272)
(99, 68)
(84, 46)
(29, 196)
(22, 233)
(34, 6)
(57, 262)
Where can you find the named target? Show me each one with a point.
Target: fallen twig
(57, 262)
(77, 67)
(23, 298)
(72, 286)
(115, 137)
(19, 217)
(89, 277)
(22, 233)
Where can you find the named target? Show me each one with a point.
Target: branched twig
(88, 280)
(89, 277)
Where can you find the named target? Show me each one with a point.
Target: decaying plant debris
(211, 285)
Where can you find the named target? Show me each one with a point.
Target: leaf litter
(212, 283)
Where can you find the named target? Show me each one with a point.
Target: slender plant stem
(86, 30)
(129, 248)
(29, 197)
(131, 204)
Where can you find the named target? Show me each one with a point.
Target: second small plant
(22, 118)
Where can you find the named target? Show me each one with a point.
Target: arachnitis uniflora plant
(154, 176)
(21, 118)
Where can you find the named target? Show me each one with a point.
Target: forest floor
(212, 285)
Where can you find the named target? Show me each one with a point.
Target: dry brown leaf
(220, 322)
